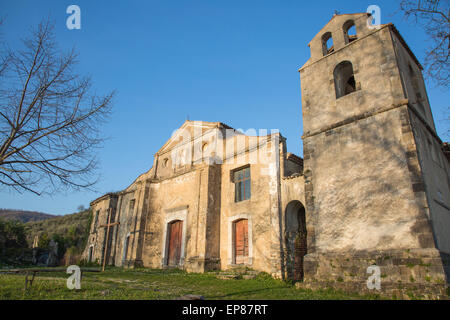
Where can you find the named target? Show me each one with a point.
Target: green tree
(12, 236)
(2, 237)
(44, 240)
(15, 234)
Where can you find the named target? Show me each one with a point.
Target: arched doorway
(295, 237)
(91, 253)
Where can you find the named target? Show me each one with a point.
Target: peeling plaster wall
(359, 190)
(374, 181)
(97, 234)
(361, 206)
(127, 220)
(257, 210)
(435, 169)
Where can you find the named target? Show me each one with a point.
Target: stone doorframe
(91, 254)
(179, 213)
(125, 247)
(231, 221)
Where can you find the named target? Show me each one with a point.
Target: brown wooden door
(241, 241)
(175, 232)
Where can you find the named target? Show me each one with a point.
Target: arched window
(344, 79)
(327, 43)
(349, 31)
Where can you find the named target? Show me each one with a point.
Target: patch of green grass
(425, 264)
(410, 295)
(116, 283)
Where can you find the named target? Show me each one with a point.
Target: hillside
(17, 238)
(71, 225)
(24, 216)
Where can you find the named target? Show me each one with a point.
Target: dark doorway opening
(91, 251)
(296, 241)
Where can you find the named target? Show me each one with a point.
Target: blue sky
(229, 61)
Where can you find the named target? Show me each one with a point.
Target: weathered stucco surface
(373, 187)
(201, 193)
(368, 184)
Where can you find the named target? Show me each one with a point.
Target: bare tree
(49, 120)
(434, 17)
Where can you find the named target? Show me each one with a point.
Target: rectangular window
(241, 179)
(96, 219)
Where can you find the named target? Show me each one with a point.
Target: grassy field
(139, 284)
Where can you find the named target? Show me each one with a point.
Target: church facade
(212, 200)
(372, 189)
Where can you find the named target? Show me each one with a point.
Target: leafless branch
(49, 121)
(434, 17)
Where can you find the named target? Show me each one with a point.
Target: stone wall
(292, 193)
(436, 172)
(262, 209)
(408, 273)
(100, 209)
(372, 184)
(365, 189)
(363, 196)
(167, 198)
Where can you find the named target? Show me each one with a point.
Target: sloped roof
(189, 125)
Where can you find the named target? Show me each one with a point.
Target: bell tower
(368, 181)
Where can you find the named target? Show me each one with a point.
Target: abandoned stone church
(372, 189)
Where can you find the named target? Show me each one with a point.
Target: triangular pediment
(191, 128)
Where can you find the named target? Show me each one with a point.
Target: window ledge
(349, 94)
(246, 200)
